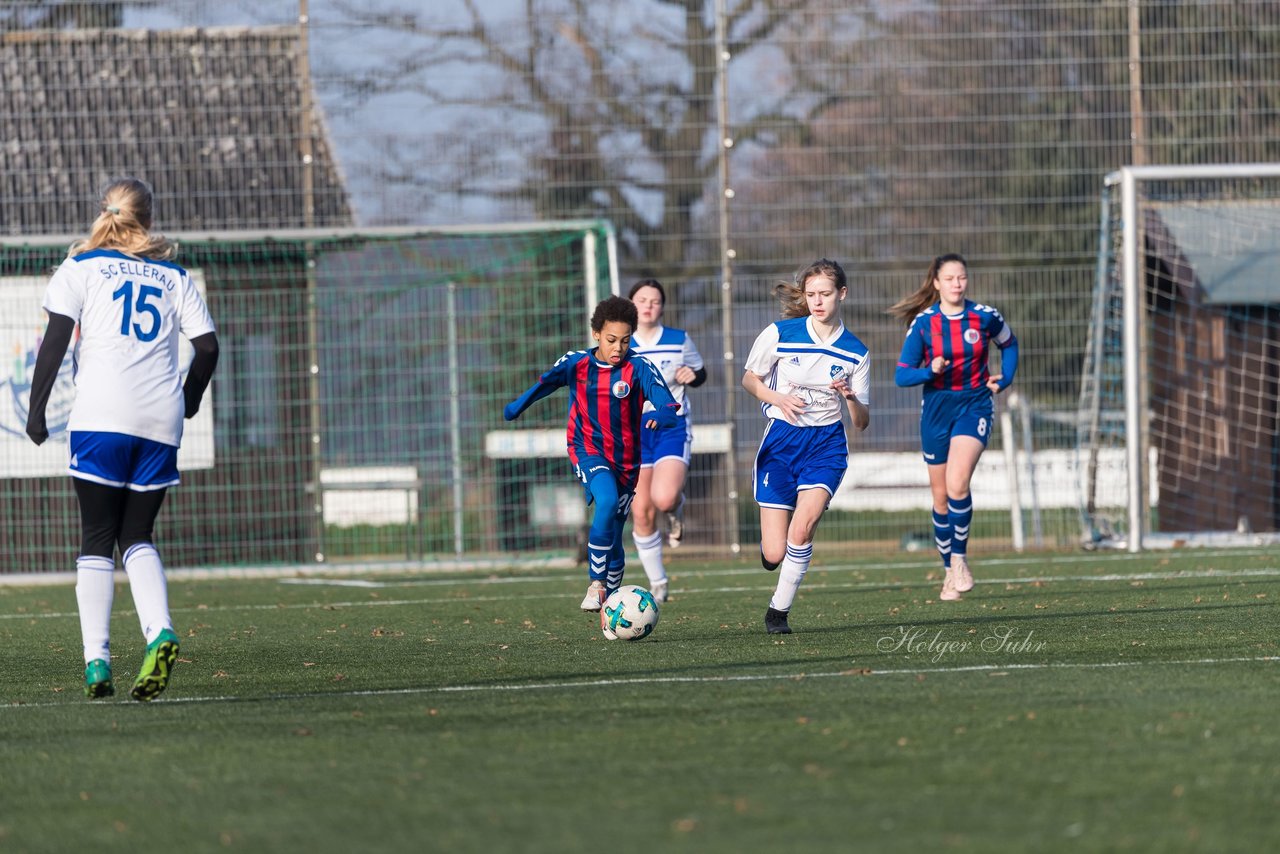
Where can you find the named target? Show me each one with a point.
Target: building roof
(212, 118)
(1230, 250)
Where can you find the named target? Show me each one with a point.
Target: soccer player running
(131, 302)
(946, 350)
(608, 391)
(800, 369)
(664, 454)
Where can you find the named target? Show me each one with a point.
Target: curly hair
(612, 309)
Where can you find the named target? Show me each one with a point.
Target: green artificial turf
(1072, 702)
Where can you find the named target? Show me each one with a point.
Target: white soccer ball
(630, 613)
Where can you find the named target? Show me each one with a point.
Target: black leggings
(113, 514)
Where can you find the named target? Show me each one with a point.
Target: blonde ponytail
(125, 224)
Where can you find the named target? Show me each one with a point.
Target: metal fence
(730, 143)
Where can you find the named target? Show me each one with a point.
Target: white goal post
(1185, 272)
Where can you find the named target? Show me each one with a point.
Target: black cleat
(775, 622)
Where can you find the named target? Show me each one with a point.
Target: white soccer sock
(150, 594)
(650, 550)
(790, 574)
(95, 590)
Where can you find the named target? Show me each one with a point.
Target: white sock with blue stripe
(790, 574)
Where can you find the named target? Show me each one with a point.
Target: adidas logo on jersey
(795, 360)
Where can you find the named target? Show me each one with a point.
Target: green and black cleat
(97, 679)
(157, 665)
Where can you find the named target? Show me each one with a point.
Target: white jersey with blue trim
(668, 350)
(126, 362)
(795, 360)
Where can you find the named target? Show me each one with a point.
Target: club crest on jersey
(837, 371)
(971, 336)
(621, 389)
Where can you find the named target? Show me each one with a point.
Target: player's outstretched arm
(53, 348)
(559, 374)
(536, 392)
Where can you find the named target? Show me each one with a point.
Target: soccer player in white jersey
(664, 454)
(131, 303)
(805, 370)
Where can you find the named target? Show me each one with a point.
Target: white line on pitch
(756, 571)
(812, 586)
(850, 673)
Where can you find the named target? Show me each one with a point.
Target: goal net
(361, 372)
(1180, 389)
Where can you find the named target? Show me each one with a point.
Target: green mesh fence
(356, 415)
(360, 376)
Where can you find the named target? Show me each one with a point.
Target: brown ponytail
(926, 295)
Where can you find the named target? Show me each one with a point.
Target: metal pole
(1091, 381)
(305, 153)
(455, 417)
(306, 144)
(727, 255)
(591, 277)
(1132, 365)
(1018, 402)
(1137, 120)
(1011, 464)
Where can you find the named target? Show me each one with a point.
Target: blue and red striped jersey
(962, 339)
(605, 407)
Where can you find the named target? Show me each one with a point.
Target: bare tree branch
(623, 99)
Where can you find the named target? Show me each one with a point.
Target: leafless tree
(56, 15)
(617, 102)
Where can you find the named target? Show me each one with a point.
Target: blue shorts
(792, 459)
(589, 468)
(114, 459)
(667, 443)
(945, 414)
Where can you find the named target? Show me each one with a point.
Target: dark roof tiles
(212, 118)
